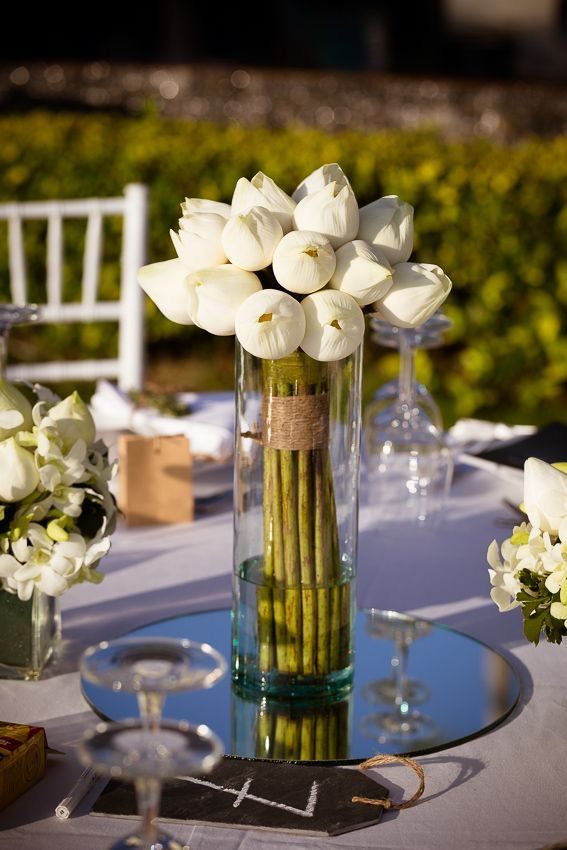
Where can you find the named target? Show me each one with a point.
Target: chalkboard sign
(262, 795)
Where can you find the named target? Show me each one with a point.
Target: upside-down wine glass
(131, 751)
(152, 668)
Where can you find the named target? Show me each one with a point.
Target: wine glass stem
(407, 369)
(148, 794)
(150, 704)
(401, 672)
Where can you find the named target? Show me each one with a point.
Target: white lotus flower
(18, 473)
(203, 205)
(249, 239)
(334, 325)
(545, 497)
(303, 261)
(362, 271)
(329, 173)
(270, 324)
(199, 241)
(74, 421)
(216, 294)
(417, 291)
(261, 191)
(165, 283)
(388, 224)
(15, 411)
(332, 211)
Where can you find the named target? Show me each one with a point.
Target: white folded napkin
(209, 426)
(475, 435)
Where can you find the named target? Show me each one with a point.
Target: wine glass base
(385, 691)
(162, 842)
(405, 730)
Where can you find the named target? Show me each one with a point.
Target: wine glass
(10, 315)
(402, 726)
(407, 462)
(151, 668)
(384, 625)
(129, 750)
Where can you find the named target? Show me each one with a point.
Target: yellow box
(23, 751)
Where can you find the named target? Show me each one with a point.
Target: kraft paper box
(23, 752)
(155, 479)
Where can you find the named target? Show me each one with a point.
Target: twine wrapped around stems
(296, 422)
(377, 761)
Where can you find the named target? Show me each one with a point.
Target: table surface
(501, 790)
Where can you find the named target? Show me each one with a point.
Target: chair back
(128, 310)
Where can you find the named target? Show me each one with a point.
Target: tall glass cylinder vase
(296, 524)
(29, 631)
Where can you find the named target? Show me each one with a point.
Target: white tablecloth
(504, 789)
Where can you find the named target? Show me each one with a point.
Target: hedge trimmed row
(495, 218)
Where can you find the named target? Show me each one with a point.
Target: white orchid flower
(249, 239)
(261, 191)
(19, 476)
(270, 324)
(40, 562)
(502, 574)
(545, 497)
(417, 291)
(303, 261)
(214, 296)
(203, 205)
(165, 283)
(322, 176)
(73, 420)
(199, 241)
(362, 271)
(334, 325)
(58, 467)
(332, 211)
(15, 411)
(388, 224)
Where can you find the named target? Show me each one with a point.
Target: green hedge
(495, 218)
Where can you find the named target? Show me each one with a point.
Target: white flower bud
(261, 191)
(203, 205)
(334, 325)
(270, 324)
(388, 224)
(15, 411)
(249, 239)
(216, 294)
(199, 241)
(417, 291)
(329, 173)
(165, 283)
(545, 497)
(74, 421)
(303, 261)
(19, 473)
(362, 271)
(332, 211)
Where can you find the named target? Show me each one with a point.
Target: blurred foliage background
(493, 217)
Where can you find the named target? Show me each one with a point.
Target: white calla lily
(203, 205)
(214, 296)
(15, 411)
(249, 239)
(19, 476)
(362, 271)
(331, 172)
(165, 283)
(417, 291)
(388, 224)
(334, 325)
(261, 191)
(332, 211)
(199, 241)
(545, 497)
(270, 324)
(303, 261)
(74, 421)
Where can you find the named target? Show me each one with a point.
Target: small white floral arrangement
(295, 272)
(529, 570)
(56, 510)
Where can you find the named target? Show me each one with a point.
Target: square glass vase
(29, 633)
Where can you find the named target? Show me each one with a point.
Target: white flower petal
(270, 324)
(18, 473)
(329, 173)
(303, 261)
(203, 205)
(165, 284)
(388, 224)
(198, 243)
(332, 211)
(334, 325)
(216, 294)
(545, 496)
(263, 192)
(362, 271)
(417, 291)
(249, 239)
